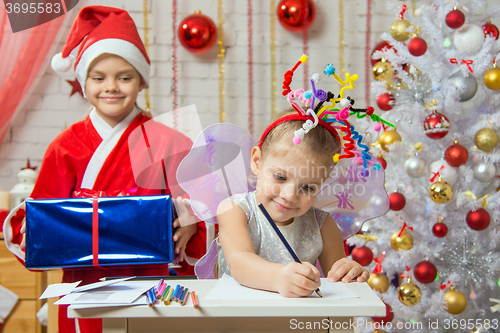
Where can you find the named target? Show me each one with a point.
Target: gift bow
(378, 266)
(468, 62)
(472, 196)
(95, 195)
(496, 307)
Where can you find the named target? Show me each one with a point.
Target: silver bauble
(415, 166)
(466, 85)
(484, 171)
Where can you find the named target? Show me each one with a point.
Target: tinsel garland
(250, 69)
(368, 60)
(146, 46)
(273, 57)
(341, 38)
(175, 104)
(305, 50)
(222, 51)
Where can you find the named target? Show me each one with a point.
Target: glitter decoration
(250, 69)
(273, 58)
(175, 104)
(417, 90)
(341, 37)
(222, 52)
(146, 46)
(468, 259)
(368, 60)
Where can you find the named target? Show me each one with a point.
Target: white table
(283, 315)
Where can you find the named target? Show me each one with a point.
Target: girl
(112, 67)
(289, 176)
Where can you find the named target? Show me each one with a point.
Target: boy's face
(287, 186)
(112, 87)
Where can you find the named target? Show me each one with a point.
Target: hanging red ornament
(456, 155)
(382, 161)
(436, 125)
(197, 33)
(417, 46)
(439, 229)
(389, 316)
(425, 272)
(478, 219)
(455, 19)
(385, 102)
(296, 15)
(490, 29)
(379, 47)
(363, 255)
(397, 201)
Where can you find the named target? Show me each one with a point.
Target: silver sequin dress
(303, 234)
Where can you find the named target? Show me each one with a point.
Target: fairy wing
(352, 195)
(217, 167)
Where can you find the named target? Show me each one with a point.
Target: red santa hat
(99, 30)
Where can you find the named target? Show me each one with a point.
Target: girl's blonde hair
(319, 143)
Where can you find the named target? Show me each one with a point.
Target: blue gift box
(129, 230)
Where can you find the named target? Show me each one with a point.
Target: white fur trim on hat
(60, 64)
(119, 47)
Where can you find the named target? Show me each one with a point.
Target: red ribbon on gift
(468, 62)
(95, 195)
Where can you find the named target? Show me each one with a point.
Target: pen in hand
(283, 240)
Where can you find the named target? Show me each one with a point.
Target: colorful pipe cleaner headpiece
(321, 111)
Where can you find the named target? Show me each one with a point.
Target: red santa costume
(92, 154)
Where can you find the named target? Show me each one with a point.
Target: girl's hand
(23, 232)
(298, 280)
(186, 228)
(347, 270)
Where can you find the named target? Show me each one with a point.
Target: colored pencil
(177, 297)
(195, 302)
(157, 287)
(169, 296)
(165, 293)
(150, 297)
(283, 240)
(161, 290)
(185, 296)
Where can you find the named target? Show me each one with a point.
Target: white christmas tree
(439, 245)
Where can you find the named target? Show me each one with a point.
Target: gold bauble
(398, 30)
(404, 242)
(409, 294)
(455, 301)
(486, 139)
(440, 192)
(387, 138)
(383, 71)
(379, 282)
(492, 78)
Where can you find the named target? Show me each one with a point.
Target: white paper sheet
(118, 293)
(60, 289)
(228, 289)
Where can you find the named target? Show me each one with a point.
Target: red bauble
(197, 33)
(425, 272)
(439, 229)
(397, 201)
(385, 102)
(478, 220)
(490, 29)
(382, 162)
(296, 15)
(389, 315)
(362, 255)
(456, 155)
(417, 46)
(455, 19)
(379, 47)
(436, 125)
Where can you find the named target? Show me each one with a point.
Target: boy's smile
(112, 87)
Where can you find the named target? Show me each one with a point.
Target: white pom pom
(60, 64)
(345, 102)
(315, 77)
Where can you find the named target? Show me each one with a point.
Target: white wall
(49, 108)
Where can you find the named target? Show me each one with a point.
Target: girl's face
(112, 87)
(287, 186)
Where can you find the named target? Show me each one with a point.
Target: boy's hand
(347, 270)
(298, 280)
(186, 224)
